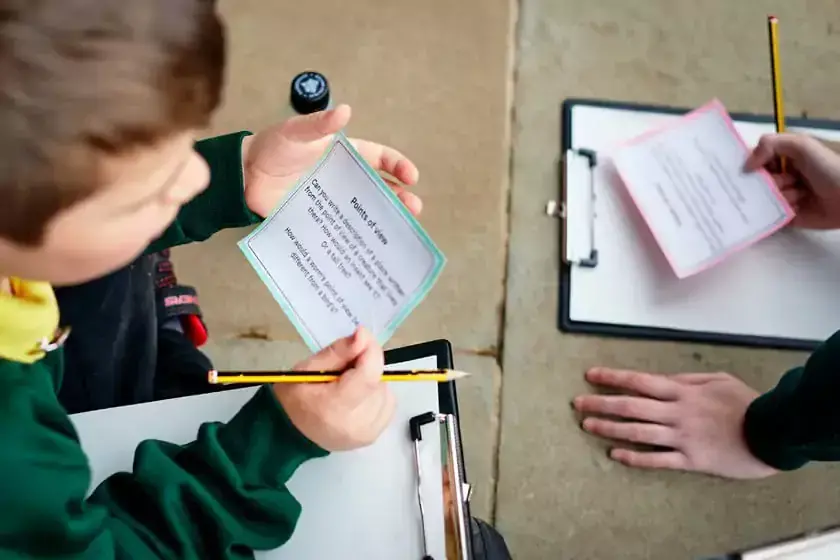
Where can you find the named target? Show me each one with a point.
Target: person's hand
(274, 159)
(350, 412)
(693, 420)
(811, 183)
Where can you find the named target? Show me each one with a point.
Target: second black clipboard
(590, 255)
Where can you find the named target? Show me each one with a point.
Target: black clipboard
(447, 398)
(566, 324)
(441, 349)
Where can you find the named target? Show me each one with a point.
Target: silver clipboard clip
(573, 166)
(457, 487)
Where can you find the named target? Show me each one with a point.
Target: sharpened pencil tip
(455, 374)
(212, 376)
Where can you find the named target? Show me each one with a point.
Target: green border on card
(420, 293)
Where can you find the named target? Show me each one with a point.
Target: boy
(712, 422)
(100, 103)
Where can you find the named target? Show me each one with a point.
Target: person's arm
(221, 205)
(219, 497)
(799, 420)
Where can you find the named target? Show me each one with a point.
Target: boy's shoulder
(28, 404)
(42, 375)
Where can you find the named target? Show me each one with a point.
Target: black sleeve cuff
(767, 426)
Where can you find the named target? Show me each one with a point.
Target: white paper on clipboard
(371, 491)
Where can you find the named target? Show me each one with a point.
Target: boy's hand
(696, 419)
(812, 181)
(274, 159)
(347, 413)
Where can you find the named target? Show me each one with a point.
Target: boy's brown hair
(82, 79)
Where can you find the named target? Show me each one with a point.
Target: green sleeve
(799, 420)
(221, 205)
(221, 496)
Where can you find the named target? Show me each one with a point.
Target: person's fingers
(697, 378)
(338, 355)
(772, 146)
(385, 414)
(650, 459)
(413, 202)
(408, 198)
(808, 217)
(656, 386)
(761, 155)
(622, 406)
(793, 195)
(773, 166)
(636, 432)
(359, 382)
(784, 180)
(389, 160)
(315, 126)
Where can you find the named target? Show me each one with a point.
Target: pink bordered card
(688, 182)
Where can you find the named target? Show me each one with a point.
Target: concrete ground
(471, 90)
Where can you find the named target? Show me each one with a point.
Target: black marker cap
(310, 92)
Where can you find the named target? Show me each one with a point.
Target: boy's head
(100, 103)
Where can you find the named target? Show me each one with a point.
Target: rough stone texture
(479, 414)
(429, 78)
(558, 495)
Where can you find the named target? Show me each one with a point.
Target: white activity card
(342, 251)
(689, 183)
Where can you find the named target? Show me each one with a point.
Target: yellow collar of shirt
(28, 320)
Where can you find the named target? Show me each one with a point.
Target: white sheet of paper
(687, 180)
(818, 547)
(342, 251)
(357, 504)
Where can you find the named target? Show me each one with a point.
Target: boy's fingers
(389, 160)
(636, 432)
(409, 199)
(386, 410)
(698, 378)
(315, 126)
(784, 180)
(361, 381)
(761, 155)
(621, 406)
(656, 386)
(382, 404)
(771, 146)
(793, 196)
(339, 355)
(413, 202)
(651, 459)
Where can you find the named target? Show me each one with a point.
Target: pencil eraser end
(773, 18)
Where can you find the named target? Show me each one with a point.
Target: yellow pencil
(776, 71)
(223, 378)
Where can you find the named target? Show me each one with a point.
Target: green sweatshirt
(799, 420)
(221, 496)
